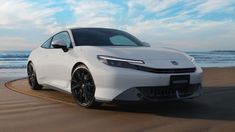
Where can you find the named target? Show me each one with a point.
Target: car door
(59, 62)
(42, 61)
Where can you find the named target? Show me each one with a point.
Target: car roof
(90, 28)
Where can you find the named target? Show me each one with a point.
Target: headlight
(118, 62)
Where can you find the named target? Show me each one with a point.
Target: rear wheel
(83, 87)
(32, 78)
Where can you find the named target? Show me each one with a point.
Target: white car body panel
(54, 68)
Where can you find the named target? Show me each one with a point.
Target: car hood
(156, 58)
(140, 53)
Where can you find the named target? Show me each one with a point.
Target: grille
(154, 70)
(168, 91)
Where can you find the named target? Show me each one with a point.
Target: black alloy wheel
(83, 87)
(32, 78)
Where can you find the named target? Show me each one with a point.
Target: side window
(47, 44)
(63, 36)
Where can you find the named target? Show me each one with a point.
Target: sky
(188, 25)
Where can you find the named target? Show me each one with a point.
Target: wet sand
(55, 111)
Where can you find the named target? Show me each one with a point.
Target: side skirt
(55, 88)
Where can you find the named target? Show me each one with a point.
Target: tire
(83, 87)
(32, 77)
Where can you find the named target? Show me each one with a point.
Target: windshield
(103, 37)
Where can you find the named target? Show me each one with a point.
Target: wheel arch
(29, 62)
(76, 65)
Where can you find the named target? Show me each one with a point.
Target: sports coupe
(98, 65)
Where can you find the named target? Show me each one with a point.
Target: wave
(224, 51)
(14, 54)
(13, 59)
(12, 66)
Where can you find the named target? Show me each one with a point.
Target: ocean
(214, 58)
(13, 63)
(17, 60)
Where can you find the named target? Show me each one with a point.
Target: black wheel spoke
(78, 76)
(76, 86)
(86, 98)
(82, 75)
(90, 85)
(81, 96)
(88, 93)
(74, 81)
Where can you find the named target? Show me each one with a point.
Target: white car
(104, 65)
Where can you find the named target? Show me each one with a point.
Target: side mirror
(60, 44)
(146, 44)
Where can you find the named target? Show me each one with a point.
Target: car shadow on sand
(214, 104)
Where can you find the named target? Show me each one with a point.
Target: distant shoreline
(215, 58)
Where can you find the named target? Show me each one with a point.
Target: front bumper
(125, 84)
(159, 93)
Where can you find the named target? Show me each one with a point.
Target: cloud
(214, 5)
(152, 5)
(186, 35)
(22, 13)
(16, 43)
(94, 13)
(200, 24)
(188, 29)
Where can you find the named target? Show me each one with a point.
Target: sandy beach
(22, 109)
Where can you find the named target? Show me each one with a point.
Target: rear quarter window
(47, 44)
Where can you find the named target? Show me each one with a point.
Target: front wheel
(83, 87)
(32, 78)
